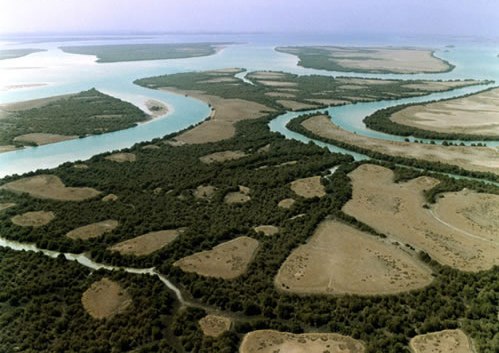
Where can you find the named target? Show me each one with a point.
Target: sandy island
(477, 114)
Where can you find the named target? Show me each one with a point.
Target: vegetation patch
(33, 219)
(399, 210)
(147, 243)
(215, 325)
(228, 260)
(340, 259)
(138, 52)
(309, 187)
(57, 118)
(105, 298)
(454, 341)
(93, 230)
(49, 187)
(269, 341)
(223, 156)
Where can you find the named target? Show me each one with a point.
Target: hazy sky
(461, 17)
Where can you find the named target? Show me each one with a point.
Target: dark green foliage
(86, 113)
(384, 323)
(137, 52)
(309, 88)
(41, 310)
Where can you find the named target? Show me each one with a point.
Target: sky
(456, 17)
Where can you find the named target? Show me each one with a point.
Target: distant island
(139, 52)
(369, 59)
(17, 53)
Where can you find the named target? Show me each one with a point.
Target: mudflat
(397, 210)
(483, 159)
(477, 114)
(340, 259)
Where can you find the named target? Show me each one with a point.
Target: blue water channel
(67, 73)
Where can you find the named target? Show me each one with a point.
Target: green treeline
(380, 120)
(86, 113)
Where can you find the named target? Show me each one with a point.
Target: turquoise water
(67, 73)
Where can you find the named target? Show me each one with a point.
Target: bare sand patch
(215, 325)
(286, 203)
(397, 211)
(49, 187)
(147, 243)
(278, 83)
(105, 298)
(43, 138)
(93, 230)
(204, 192)
(476, 114)
(156, 108)
(268, 230)
(226, 112)
(110, 198)
(436, 86)
(227, 260)
(241, 196)
(219, 80)
(309, 187)
(264, 149)
(33, 219)
(471, 212)
(280, 94)
(80, 166)
(351, 87)
(151, 147)
(452, 341)
(223, 156)
(362, 81)
(7, 148)
(340, 259)
(269, 341)
(5, 205)
(122, 157)
(295, 105)
(482, 159)
(396, 60)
